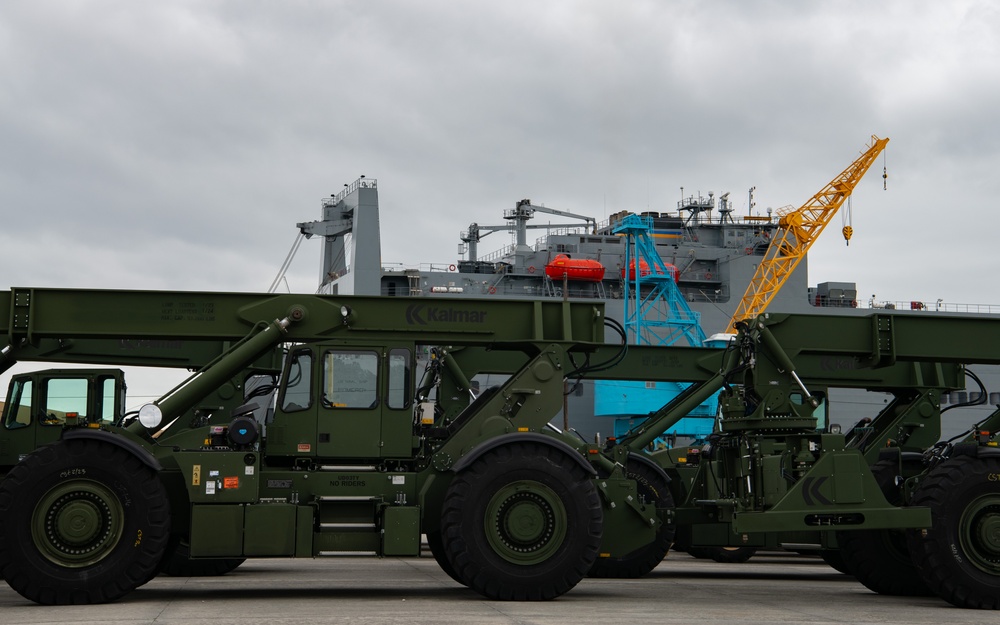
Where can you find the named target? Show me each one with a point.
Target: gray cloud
(175, 144)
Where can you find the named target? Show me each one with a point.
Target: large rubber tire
(652, 490)
(835, 559)
(702, 553)
(733, 555)
(880, 559)
(178, 563)
(959, 555)
(522, 522)
(725, 555)
(84, 521)
(436, 546)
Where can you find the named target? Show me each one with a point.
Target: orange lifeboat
(644, 270)
(584, 269)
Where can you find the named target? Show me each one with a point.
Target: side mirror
(150, 416)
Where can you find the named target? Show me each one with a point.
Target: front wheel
(436, 546)
(653, 490)
(84, 521)
(959, 555)
(522, 522)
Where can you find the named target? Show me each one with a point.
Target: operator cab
(40, 403)
(339, 402)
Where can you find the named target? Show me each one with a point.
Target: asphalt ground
(771, 588)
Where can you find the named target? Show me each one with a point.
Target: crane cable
(847, 217)
(885, 175)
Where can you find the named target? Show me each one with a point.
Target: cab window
(350, 379)
(398, 388)
(297, 394)
(820, 412)
(108, 410)
(64, 396)
(19, 408)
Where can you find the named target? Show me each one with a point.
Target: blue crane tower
(656, 313)
(655, 310)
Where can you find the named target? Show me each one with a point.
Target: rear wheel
(653, 490)
(959, 555)
(523, 522)
(880, 559)
(85, 521)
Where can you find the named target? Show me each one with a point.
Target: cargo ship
(710, 254)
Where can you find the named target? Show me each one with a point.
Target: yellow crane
(797, 230)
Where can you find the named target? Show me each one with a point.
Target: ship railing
(935, 306)
(497, 255)
(360, 183)
(542, 242)
(422, 267)
(548, 288)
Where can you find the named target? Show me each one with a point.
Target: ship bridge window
(350, 379)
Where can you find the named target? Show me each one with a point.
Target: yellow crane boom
(797, 230)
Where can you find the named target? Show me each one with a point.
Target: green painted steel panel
(401, 531)
(217, 531)
(847, 486)
(269, 530)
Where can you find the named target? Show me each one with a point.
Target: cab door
(365, 405)
(350, 407)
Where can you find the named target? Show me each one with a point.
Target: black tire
(84, 521)
(959, 555)
(702, 553)
(733, 555)
(652, 490)
(436, 545)
(880, 559)
(834, 558)
(178, 563)
(725, 555)
(522, 522)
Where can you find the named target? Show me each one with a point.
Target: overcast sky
(174, 145)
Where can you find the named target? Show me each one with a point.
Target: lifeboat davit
(583, 270)
(644, 270)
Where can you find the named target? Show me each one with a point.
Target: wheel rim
(525, 522)
(77, 523)
(980, 534)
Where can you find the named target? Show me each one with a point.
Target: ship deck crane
(518, 223)
(797, 230)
